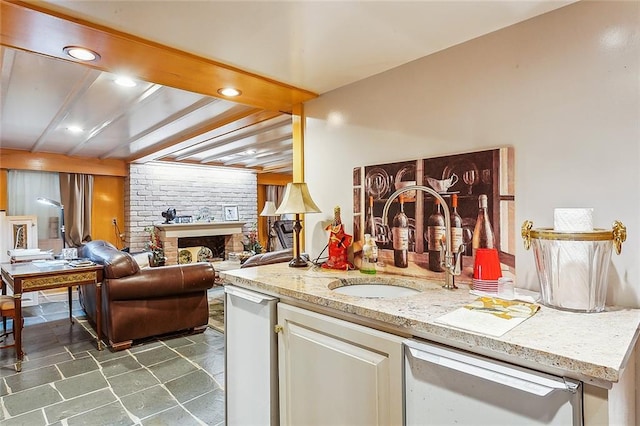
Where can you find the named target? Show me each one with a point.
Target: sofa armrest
(161, 282)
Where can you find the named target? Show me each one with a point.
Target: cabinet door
(251, 367)
(332, 372)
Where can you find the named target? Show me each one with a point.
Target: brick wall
(152, 188)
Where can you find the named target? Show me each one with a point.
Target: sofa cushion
(142, 259)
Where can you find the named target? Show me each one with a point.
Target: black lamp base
(297, 262)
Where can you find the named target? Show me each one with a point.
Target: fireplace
(211, 248)
(219, 237)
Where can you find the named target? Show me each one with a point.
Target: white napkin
(571, 286)
(573, 220)
(520, 294)
(478, 322)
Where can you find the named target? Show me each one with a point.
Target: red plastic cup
(487, 265)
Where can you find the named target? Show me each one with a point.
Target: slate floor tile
(177, 342)
(155, 355)
(33, 418)
(116, 366)
(78, 366)
(112, 414)
(213, 362)
(3, 391)
(191, 385)
(173, 416)
(149, 402)
(172, 369)
(78, 405)
(31, 399)
(134, 381)
(31, 379)
(81, 384)
(208, 407)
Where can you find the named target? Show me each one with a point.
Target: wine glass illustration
(470, 177)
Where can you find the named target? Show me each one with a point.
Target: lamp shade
(297, 200)
(269, 209)
(49, 202)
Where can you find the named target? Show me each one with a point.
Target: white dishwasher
(447, 386)
(251, 358)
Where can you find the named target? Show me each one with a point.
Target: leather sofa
(140, 303)
(268, 258)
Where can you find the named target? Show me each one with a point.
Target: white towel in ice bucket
(571, 283)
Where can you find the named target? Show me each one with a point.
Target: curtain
(274, 193)
(76, 191)
(23, 189)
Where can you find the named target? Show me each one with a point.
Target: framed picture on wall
(22, 232)
(231, 213)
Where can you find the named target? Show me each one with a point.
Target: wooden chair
(7, 310)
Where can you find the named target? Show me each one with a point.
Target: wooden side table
(26, 277)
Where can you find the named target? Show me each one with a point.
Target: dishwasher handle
(251, 296)
(537, 384)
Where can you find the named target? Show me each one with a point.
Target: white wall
(563, 89)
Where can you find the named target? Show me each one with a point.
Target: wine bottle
(370, 226)
(400, 232)
(482, 233)
(456, 228)
(435, 235)
(369, 256)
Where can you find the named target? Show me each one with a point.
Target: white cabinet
(251, 366)
(333, 372)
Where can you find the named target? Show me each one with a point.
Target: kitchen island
(595, 348)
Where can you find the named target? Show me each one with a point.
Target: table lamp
(296, 200)
(57, 204)
(269, 211)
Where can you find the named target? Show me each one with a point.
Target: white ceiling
(313, 45)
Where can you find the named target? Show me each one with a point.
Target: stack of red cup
(486, 270)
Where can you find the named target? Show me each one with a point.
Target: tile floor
(65, 380)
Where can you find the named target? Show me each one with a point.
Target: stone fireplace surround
(169, 233)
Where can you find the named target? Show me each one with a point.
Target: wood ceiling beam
(30, 27)
(47, 162)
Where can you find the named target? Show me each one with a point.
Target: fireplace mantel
(199, 229)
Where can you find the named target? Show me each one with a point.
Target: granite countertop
(592, 347)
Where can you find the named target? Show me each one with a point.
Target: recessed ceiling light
(75, 129)
(125, 81)
(250, 151)
(229, 91)
(81, 54)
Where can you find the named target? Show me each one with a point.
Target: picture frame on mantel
(230, 213)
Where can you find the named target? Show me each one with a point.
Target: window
(23, 189)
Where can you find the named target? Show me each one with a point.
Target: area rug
(216, 309)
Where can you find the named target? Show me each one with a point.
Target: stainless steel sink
(373, 287)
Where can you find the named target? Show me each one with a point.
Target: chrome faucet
(450, 263)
